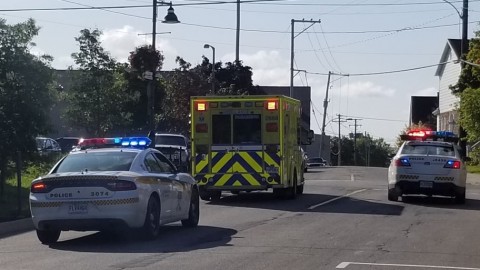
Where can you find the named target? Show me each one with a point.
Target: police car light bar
(423, 135)
(137, 142)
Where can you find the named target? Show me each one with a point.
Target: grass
(473, 169)
(9, 203)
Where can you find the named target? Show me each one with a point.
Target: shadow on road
(347, 205)
(173, 238)
(442, 202)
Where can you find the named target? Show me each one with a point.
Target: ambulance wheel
(48, 236)
(278, 192)
(215, 195)
(300, 189)
(291, 192)
(151, 225)
(194, 210)
(204, 195)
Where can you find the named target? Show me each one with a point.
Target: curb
(10, 228)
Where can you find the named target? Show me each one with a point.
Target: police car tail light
(453, 164)
(39, 187)
(402, 162)
(122, 185)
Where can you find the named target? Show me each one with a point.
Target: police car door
(180, 190)
(163, 184)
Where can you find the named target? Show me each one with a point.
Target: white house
(448, 72)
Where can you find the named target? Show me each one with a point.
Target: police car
(125, 185)
(427, 163)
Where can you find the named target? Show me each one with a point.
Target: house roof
(452, 44)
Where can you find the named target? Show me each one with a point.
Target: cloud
(366, 89)
(121, 41)
(431, 91)
(268, 67)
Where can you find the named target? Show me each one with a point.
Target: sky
(362, 42)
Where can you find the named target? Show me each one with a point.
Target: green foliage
(25, 93)
(9, 202)
(97, 100)
(468, 89)
(370, 152)
(145, 59)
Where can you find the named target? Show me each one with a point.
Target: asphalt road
(343, 221)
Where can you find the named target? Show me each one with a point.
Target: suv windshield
(97, 161)
(170, 140)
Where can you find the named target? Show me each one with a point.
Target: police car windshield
(97, 161)
(428, 149)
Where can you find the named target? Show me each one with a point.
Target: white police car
(96, 188)
(428, 163)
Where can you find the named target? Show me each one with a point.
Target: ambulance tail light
(201, 106)
(271, 105)
(272, 127)
(201, 128)
(39, 187)
(402, 162)
(453, 164)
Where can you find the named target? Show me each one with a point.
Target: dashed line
(335, 199)
(352, 177)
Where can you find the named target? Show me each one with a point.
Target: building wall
(450, 75)
(449, 121)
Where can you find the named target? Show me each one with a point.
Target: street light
(206, 46)
(170, 18)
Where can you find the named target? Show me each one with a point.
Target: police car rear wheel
(194, 211)
(392, 195)
(151, 226)
(460, 197)
(48, 236)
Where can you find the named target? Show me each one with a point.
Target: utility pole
(355, 139)
(464, 51)
(292, 46)
(325, 105)
(170, 18)
(339, 156)
(237, 46)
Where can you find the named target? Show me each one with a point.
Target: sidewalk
(473, 178)
(10, 228)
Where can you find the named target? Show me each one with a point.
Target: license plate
(78, 208)
(426, 184)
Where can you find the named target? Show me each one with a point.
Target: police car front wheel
(194, 211)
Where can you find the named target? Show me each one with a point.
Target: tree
(97, 100)
(25, 91)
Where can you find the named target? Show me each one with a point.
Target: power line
(383, 72)
(368, 5)
(130, 6)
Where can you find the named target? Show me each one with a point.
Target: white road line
(352, 177)
(336, 198)
(344, 265)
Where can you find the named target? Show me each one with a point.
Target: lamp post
(170, 18)
(206, 46)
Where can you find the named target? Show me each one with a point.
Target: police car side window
(164, 163)
(152, 164)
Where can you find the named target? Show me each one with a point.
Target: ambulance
(247, 143)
